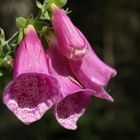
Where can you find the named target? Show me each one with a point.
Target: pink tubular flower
(92, 72)
(74, 98)
(85, 65)
(71, 43)
(32, 91)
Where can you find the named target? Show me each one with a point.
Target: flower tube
(71, 43)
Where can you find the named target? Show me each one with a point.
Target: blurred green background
(113, 29)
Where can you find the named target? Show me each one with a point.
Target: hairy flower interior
(29, 90)
(71, 105)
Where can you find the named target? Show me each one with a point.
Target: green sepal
(39, 4)
(21, 22)
(29, 20)
(46, 15)
(20, 36)
(59, 3)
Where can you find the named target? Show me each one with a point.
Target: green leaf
(39, 4)
(59, 3)
(46, 1)
(20, 36)
(68, 11)
(21, 22)
(30, 20)
(46, 15)
(45, 7)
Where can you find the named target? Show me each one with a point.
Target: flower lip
(70, 109)
(30, 95)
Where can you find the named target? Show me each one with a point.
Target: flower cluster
(64, 78)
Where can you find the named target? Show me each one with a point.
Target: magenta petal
(72, 44)
(59, 68)
(93, 75)
(70, 109)
(92, 72)
(30, 96)
(92, 69)
(30, 56)
(101, 93)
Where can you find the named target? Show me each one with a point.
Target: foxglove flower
(74, 98)
(71, 43)
(33, 91)
(92, 72)
(85, 65)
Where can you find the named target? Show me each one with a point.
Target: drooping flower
(33, 91)
(74, 97)
(92, 72)
(86, 67)
(71, 43)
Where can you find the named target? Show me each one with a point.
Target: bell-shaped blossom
(71, 43)
(86, 66)
(92, 72)
(33, 91)
(74, 98)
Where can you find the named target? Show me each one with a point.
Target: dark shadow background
(113, 29)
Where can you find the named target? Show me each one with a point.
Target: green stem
(13, 37)
(10, 39)
(38, 16)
